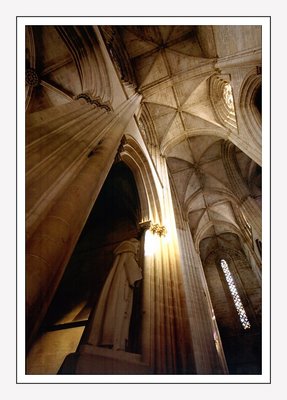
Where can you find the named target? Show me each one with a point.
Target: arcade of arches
(143, 199)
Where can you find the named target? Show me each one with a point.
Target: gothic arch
(224, 112)
(218, 131)
(84, 47)
(223, 252)
(250, 113)
(135, 159)
(202, 233)
(147, 126)
(227, 194)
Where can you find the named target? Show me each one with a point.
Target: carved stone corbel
(94, 101)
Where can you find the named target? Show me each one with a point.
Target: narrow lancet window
(236, 298)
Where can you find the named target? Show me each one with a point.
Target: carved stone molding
(222, 101)
(251, 115)
(94, 101)
(118, 53)
(31, 77)
(145, 225)
(84, 47)
(160, 230)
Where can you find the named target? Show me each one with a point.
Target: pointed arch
(250, 113)
(134, 157)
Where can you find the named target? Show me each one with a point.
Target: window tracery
(234, 293)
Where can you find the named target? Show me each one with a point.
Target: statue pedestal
(91, 360)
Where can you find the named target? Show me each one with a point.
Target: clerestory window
(234, 293)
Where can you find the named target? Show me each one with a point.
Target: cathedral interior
(143, 199)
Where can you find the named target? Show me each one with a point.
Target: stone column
(166, 338)
(166, 345)
(52, 243)
(56, 150)
(207, 348)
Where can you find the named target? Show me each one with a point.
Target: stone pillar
(52, 243)
(56, 150)
(207, 348)
(166, 343)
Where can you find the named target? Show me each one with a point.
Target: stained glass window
(236, 298)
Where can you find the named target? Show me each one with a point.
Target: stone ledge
(90, 360)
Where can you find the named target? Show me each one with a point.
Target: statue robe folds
(110, 324)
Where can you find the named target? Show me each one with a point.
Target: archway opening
(114, 218)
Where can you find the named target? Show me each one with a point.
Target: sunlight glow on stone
(228, 97)
(152, 243)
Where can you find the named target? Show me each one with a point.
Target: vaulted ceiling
(185, 111)
(203, 188)
(187, 115)
(58, 78)
(173, 66)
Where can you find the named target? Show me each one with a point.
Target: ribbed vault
(173, 66)
(204, 189)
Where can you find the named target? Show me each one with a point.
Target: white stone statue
(110, 324)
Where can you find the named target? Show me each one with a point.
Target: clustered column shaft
(51, 245)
